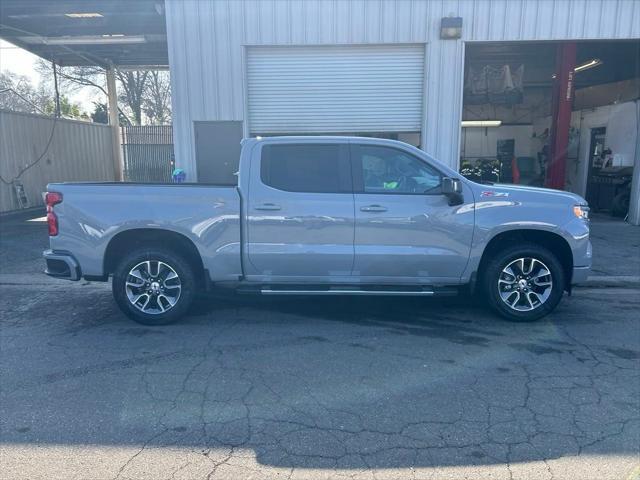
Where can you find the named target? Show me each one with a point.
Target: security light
(450, 28)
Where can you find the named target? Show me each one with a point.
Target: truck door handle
(268, 206)
(373, 208)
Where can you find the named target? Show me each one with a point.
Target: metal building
(281, 66)
(387, 68)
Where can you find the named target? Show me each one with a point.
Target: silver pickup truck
(321, 216)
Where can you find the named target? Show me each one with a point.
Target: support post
(561, 115)
(115, 123)
(634, 200)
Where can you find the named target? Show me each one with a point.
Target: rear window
(314, 168)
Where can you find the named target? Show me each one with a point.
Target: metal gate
(148, 153)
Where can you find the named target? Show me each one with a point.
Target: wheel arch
(550, 240)
(127, 240)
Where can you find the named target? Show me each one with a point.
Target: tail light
(51, 199)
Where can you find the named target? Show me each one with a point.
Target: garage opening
(556, 114)
(365, 90)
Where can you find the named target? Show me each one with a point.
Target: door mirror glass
(452, 189)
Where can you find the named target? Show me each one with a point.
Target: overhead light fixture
(83, 15)
(450, 28)
(481, 123)
(594, 62)
(93, 39)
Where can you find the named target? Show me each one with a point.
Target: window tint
(315, 168)
(389, 170)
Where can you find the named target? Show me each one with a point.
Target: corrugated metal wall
(207, 38)
(78, 151)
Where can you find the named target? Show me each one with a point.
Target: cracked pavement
(361, 388)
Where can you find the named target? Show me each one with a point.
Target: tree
(145, 95)
(100, 114)
(134, 85)
(157, 102)
(72, 79)
(67, 108)
(17, 93)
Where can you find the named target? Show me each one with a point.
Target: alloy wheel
(525, 284)
(153, 287)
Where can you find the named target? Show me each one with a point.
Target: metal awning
(88, 32)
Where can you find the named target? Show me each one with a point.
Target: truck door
(300, 212)
(405, 227)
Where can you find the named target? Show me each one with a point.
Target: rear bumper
(61, 265)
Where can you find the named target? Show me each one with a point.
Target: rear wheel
(154, 286)
(524, 283)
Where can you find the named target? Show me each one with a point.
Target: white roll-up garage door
(335, 89)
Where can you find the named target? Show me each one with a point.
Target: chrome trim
(389, 293)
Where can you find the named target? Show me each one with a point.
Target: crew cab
(321, 216)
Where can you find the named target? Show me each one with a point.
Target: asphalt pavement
(250, 387)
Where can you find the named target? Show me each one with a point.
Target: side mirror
(452, 189)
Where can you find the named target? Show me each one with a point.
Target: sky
(17, 60)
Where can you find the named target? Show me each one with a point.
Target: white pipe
(115, 123)
(634, 200)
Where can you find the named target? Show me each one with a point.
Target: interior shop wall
(622, 128)
(482, 142)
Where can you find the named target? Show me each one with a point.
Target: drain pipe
(634, 200)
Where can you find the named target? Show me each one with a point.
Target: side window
(389, 170)
(313, 168)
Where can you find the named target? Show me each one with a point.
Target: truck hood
(522, 192)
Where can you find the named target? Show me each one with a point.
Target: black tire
(184, 297)
(620, 204)
(503, 258)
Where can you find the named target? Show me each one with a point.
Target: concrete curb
(24, 214)
(42, 280)
(626, 281)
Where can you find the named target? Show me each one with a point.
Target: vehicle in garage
(322, 216)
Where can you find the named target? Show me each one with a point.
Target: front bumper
(61, 265)
(581, 272)
(580, 275)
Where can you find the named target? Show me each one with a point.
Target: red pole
(561, 115)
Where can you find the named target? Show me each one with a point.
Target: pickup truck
(321, 216)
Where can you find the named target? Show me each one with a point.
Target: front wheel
(524, 283)
(154, 286)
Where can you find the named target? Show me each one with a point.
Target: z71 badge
(491, 193)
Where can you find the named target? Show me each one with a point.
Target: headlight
(581, 211)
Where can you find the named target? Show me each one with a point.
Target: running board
(393, 293)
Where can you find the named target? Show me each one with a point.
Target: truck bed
(91, 215)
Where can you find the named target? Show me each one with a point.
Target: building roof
(88, 32)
